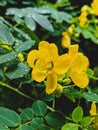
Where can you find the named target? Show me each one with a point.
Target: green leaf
(91, 96)
(23, 46)
(55, 119)
(69, 95)
(74, 93)
(3, 128)
(3, 2)
(89, 35)
(9, 117)
(60, 16)
(70, 126)
(21, 70)
(20, 32)
(77, 114)
(27, 114)
(24, 127)
(43, 21)
(15, 11)
(5, 34)
(30, 23)
(36, 122)
(7, 57)
(86, 121)
(39, 108)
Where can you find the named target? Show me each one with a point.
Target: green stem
(50, 108)
(15, 90)
(68, 118)
(95, 78)
(69, 86)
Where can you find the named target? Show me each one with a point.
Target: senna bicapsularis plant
(39, 70)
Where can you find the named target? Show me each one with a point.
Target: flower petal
(32, 57)
(53, 51)
(79, 79)
(38, 76)
(62, 64)
(93, 110)
(80, 62)
(73, 49)
(66, 41)
(43, 45)
(51, 83)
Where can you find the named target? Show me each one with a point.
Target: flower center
(49, 66)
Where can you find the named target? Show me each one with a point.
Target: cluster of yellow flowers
(94, 114)
(85, 11)
(48, 64)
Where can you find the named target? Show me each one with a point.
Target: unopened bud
(21, 57)
(58, 90)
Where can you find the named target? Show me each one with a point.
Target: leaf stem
(50, 108)
(15, 90)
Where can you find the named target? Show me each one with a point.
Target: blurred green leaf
(30, 23)
(3, 128)
(77, 114)
(91, 96)
(24, 127)
(31, 14)
(87, 34)
(43, 21)
(21, 70)
(23, 46)
(5, 34)
(7, 57)
(3, 2)
(70, 126)
(27, 114)
(39, 108)
(36, 122)
(55, 119)
(86, 121)
(9, 117)
(60, 16)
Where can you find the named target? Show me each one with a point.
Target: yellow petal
(50, 49)
(93, 109)
(43, 45)
(79, 79)
(73, 49)
(53, 51)
(32, 57)
(51, 83)
(80, 62)
(94, 6)
(66, 41)
(62, 64)
(38, 76)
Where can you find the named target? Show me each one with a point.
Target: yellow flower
(79, 64)
(93, 110)
(46, 63)
(94, 6)
(66, 40)
(83, 19)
